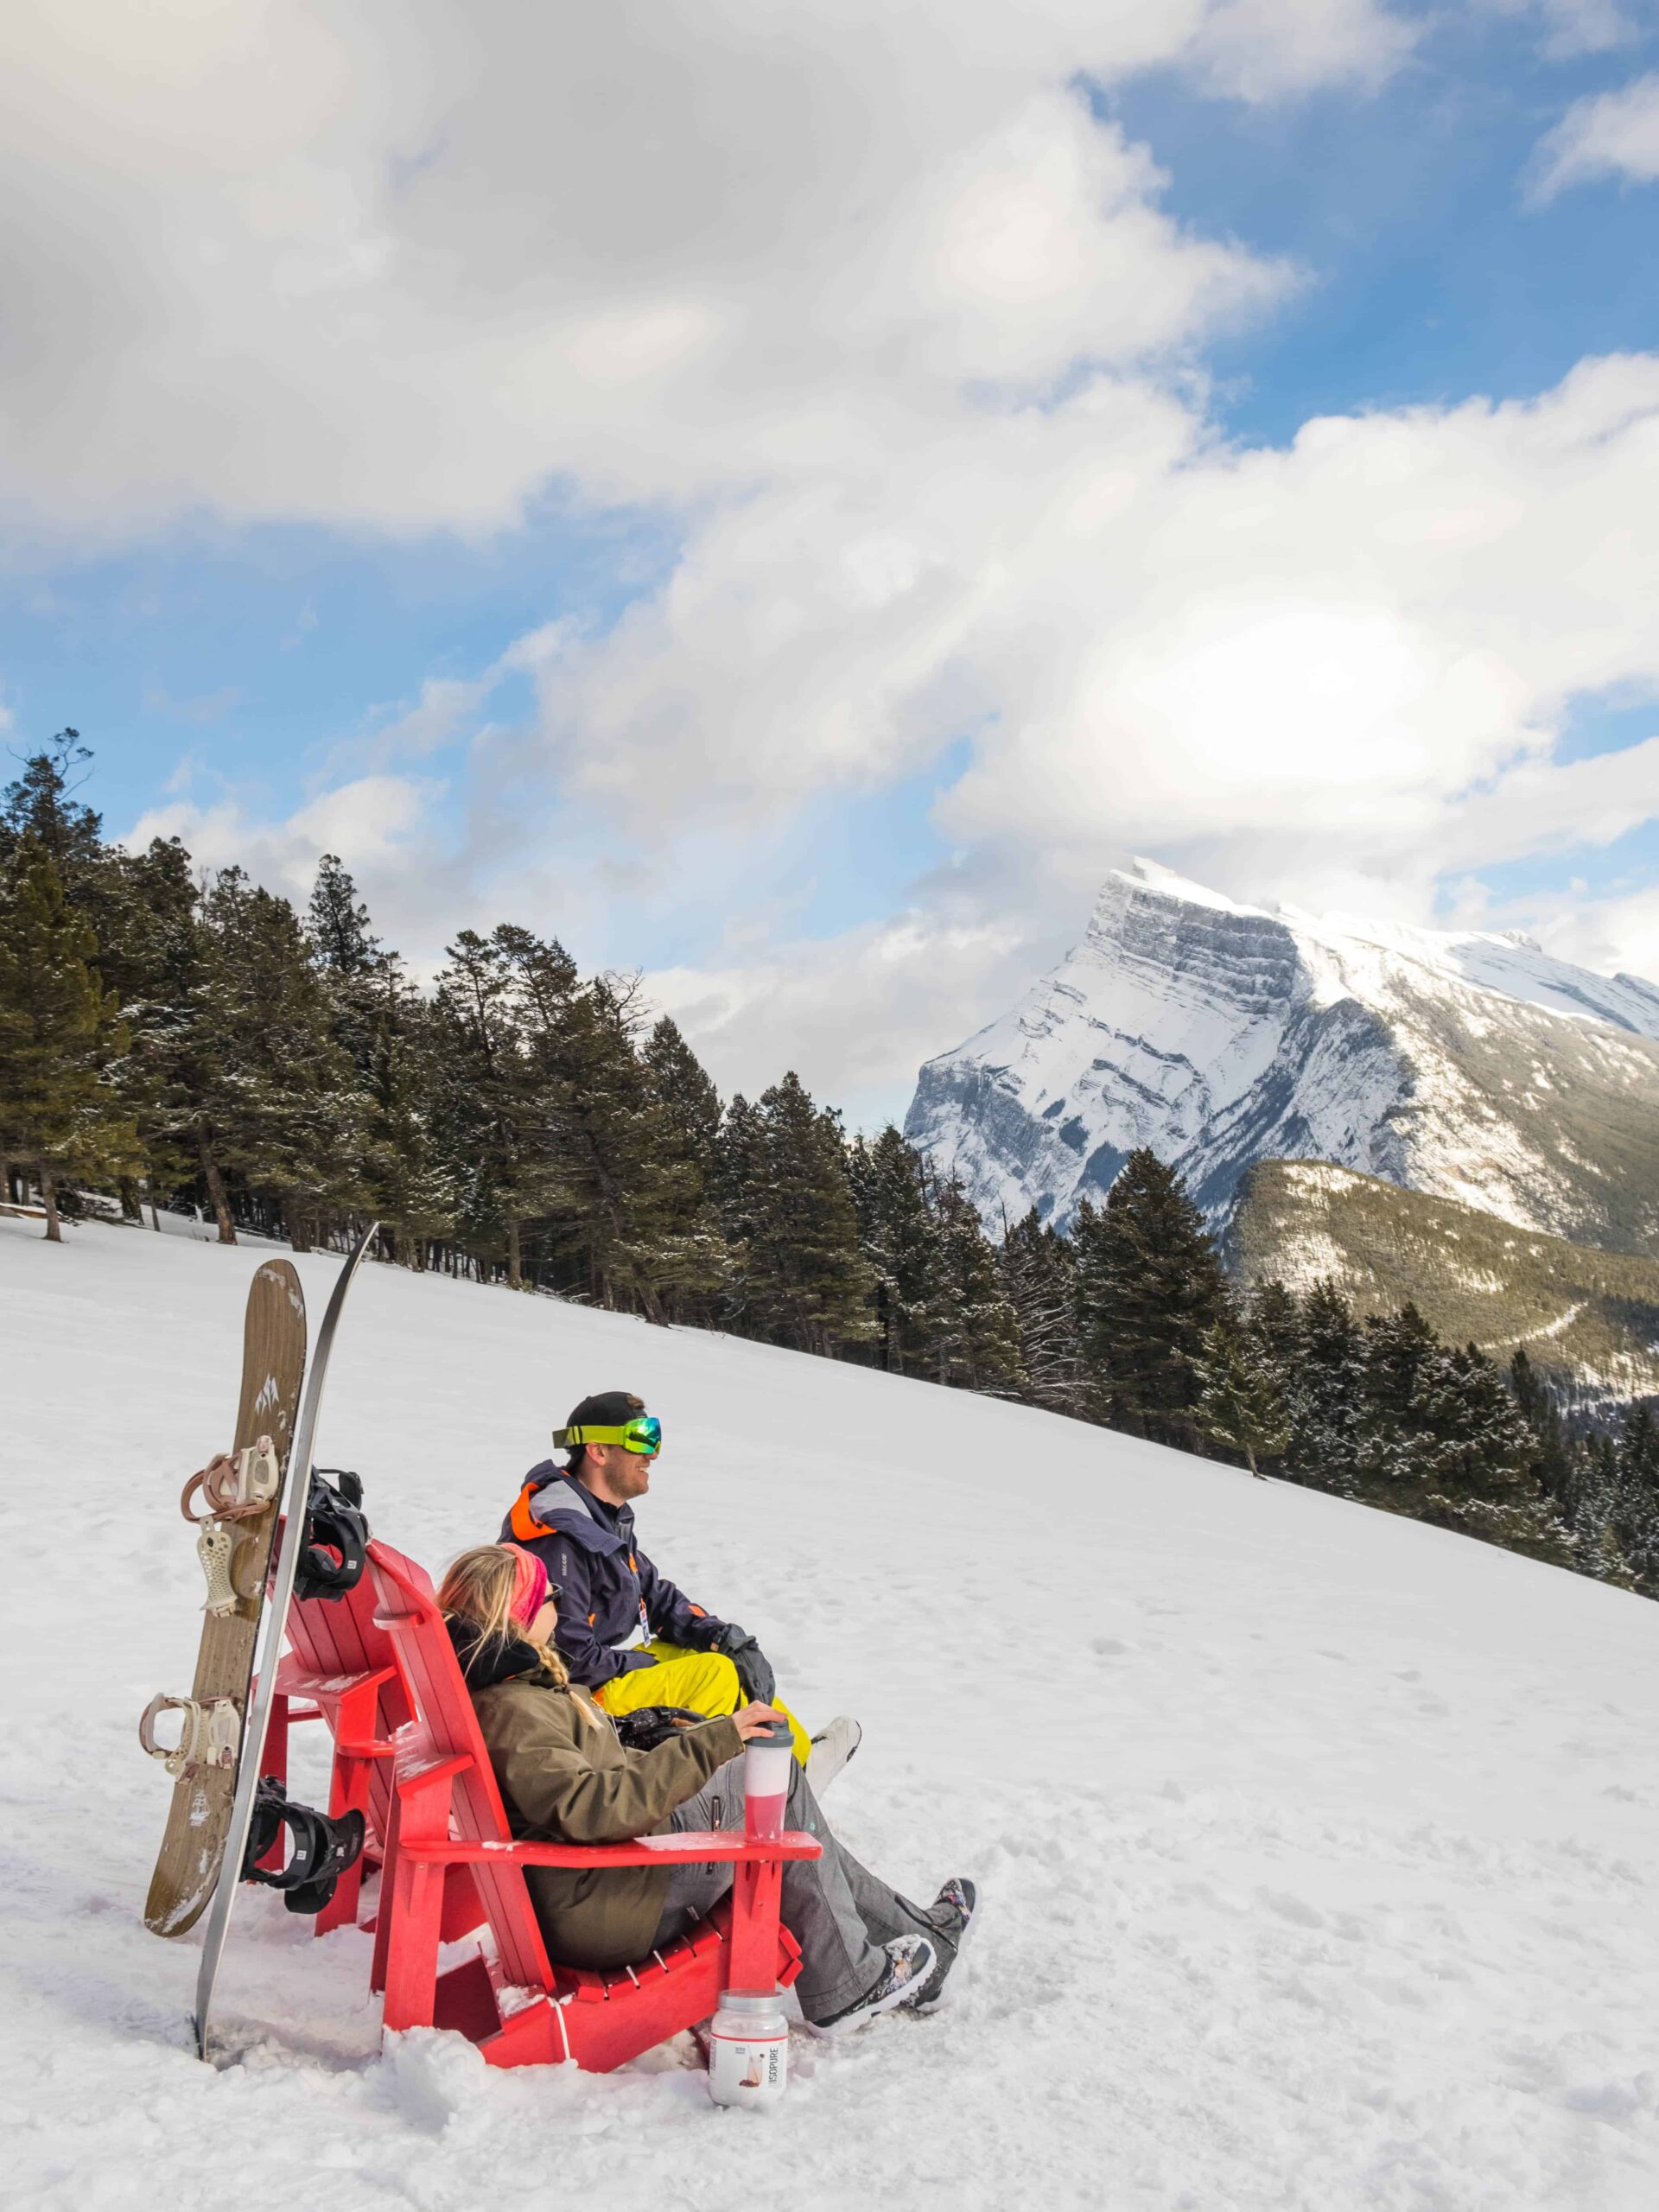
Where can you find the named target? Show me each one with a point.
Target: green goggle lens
(643, 1434)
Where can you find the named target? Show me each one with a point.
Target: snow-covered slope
(1476, 1067)
(1316, 1846)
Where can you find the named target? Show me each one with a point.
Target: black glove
(758, 1682)
(650, 1725)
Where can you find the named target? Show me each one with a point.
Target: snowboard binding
(209, 1734)
(235, 1485)
(336, 1550)
(320, 1848)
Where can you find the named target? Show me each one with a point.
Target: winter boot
(831, 1749)
(952, 1914)
(911, 1960)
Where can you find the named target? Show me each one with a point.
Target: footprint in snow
(1288, 1906)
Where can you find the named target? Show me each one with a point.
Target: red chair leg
(384, 1917)
(757, 1892)
(275, 1763)
(354, 1723)
(412, 1954)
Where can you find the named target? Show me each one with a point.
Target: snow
(1316, 1846)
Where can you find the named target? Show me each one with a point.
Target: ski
(272, 1627)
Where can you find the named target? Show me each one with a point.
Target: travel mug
(766, 1781)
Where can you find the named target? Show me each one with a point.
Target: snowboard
(272, 1628)
(234, 1502)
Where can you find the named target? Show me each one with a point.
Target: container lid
(751, 2001)
(775, 1731)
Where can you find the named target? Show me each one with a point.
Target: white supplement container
(748, 2049)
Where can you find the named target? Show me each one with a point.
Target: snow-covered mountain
(1469, 1065)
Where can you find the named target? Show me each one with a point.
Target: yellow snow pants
(703, 1682)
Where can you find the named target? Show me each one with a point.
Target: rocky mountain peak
(1470, 1064)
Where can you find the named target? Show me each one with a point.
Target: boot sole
(953, 1983)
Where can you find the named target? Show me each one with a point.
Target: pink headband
(528, 1586)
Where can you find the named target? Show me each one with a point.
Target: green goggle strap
(644, 1434)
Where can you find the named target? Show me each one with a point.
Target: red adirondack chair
(340, 1669)
(452, 1864)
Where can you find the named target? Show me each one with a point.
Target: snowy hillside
(1474, 1067)
(1316, 1846)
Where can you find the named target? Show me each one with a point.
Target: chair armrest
(686, 1849)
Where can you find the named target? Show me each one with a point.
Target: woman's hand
(753, 1720)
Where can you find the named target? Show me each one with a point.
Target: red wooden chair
(452, 1864)
(340, 1669)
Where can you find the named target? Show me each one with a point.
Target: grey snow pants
(836, 1909)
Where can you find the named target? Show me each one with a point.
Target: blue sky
(803, 784)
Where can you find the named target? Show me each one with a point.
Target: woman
(568, 1777)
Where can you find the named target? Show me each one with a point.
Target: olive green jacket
(566, 1779)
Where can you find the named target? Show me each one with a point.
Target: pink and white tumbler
(766, 1781)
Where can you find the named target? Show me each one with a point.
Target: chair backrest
(340, 1636)
(444, 1726)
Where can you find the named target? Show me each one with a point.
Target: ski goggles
(643, 1434)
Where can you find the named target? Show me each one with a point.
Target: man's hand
(755, 1678)
(755, 1719)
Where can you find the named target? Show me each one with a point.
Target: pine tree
(1274, 1321)
(1239, 1404)
(498, 1131)
(901, 1241)
(58, 1031)
(1588, 1503)
(1634, 1515)
(687, 1095)
(1326, 1392)
(976, 1332)
(1149, 1289)
(1039, 1271)
(277, 1097)
(1445, 1441)
(1550, 1457)
(41, 803)
(801, 1278)
(635, 1216)
(693, 1263)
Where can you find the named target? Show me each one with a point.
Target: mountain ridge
(1469, 1065)
(1589, 1320)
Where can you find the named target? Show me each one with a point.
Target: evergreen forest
(183, 1040)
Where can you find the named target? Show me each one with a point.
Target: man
(625, 1631)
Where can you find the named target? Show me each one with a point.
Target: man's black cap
(606, 1409)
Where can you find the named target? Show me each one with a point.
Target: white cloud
(297, 260)
(386, 828)
(1262, 49)
(846, 1013)
(1604, 135)
(1571, 27)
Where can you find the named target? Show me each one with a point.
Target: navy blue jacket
(607, 1587)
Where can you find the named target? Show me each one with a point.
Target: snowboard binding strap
(320, 1851)
(209, 1736)
(336, 1537)
(235, 1485)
